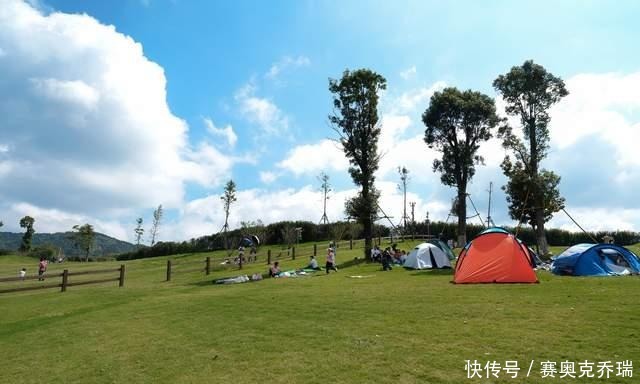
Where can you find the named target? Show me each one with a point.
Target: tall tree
(457, 123)
(228, 198)
(529, 92)
(84, 237)
(404, 179)
(355, 119)
(139, 231)
(27, 223)
(155, 226)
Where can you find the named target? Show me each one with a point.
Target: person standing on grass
(387, 260)
(331, 260)
(42, 268)
(22, 273)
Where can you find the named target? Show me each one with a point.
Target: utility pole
(428, 225)
(404, 177)
(489, 220)
(413, 209)
(326, 188)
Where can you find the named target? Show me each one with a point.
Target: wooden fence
(65, 280)
(209, 264)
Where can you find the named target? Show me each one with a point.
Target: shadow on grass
(432, 272)
(211, 280)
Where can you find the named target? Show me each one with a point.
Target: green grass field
(389, 327)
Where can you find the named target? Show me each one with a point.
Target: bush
(49, 252)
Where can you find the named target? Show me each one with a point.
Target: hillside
(104, 245)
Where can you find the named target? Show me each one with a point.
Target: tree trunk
(541, 238)
(367, 238)
(367, 222)
(462, 217)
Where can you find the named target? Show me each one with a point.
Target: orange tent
(495, 256)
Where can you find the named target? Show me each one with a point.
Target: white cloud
(261, 111)
(313, 158)
(268, 177)
(53, 220)
(415, 100)
(408, 73)
(597, 219)
(85, 116)
(202, 216)
(607, 105)
(226, 132)
(285, 63)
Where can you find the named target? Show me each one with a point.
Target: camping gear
(427, 256)
(596, 260)
(495, 256)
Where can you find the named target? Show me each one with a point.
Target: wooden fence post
(65, 278)
(315, 249)
(269, 256)
(293, 253)
(168, 270)
(208, 267)
(121, 282)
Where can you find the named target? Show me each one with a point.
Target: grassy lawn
(388, 327)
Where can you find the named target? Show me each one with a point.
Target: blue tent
(596, 260)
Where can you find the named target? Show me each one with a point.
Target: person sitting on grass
(396, 257)
(274, 270)
(403, 257)
(313, 264)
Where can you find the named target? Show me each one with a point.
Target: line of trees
(82, 235)
(457, 124)
(282, 233)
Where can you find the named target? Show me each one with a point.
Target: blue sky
(239, 90)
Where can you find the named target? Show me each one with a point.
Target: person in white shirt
(22, 273)
(313, 263)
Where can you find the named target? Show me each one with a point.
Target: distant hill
(104, 245)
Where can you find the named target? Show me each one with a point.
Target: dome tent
(444, 247)
(596, 260)
(426, 256)
(495, 256)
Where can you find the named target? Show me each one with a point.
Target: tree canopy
(519, 195)
(458, 122)
(27, 223)
(84, 237)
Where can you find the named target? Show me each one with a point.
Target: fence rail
(209, 264)
(65, 280)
